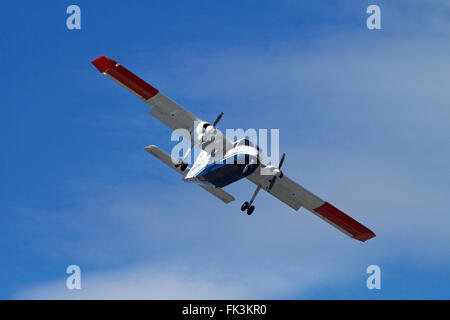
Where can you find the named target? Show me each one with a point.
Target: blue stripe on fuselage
(225, 172)
(214, 166)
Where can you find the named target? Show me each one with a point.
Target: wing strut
(249, 205)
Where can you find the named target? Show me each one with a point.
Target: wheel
(250, 210)
(179, 163)
(244, 206)
(184, 166)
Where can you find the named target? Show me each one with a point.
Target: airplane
(237, 159)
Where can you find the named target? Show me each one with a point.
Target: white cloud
(176, 282)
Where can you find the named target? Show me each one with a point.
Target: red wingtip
(365, 236)
(345, 222)
(103, 64)
(125, 77)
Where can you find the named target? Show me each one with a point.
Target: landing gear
(247, 206)
(183, 166)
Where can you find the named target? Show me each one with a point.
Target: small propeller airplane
(239, 159)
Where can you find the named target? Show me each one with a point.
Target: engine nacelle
(203, 132)
(209, 132)
(274, 171)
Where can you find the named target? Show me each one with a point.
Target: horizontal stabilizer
(167, 159)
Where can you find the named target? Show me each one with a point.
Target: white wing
(164, 109)
(295, 196)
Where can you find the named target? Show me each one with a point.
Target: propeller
(217, 119)
(272, 182)
(181, 163)
(211, 128)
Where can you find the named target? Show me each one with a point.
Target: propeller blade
(218, 119)
(272, 182)
(282, 160)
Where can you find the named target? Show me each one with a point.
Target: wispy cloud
(176, 282)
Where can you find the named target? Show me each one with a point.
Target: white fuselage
(237, 163)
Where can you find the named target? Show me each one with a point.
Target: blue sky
(364, 118)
